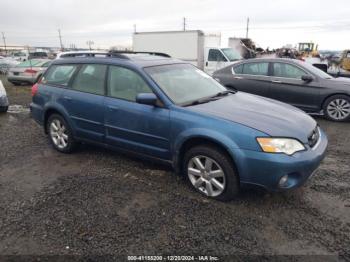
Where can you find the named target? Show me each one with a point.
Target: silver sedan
(28, 72)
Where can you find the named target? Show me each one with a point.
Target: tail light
(30, 71)
(35, 89)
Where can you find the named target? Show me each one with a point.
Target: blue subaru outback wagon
(166, 109)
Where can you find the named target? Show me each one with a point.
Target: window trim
(161, 103)
(69, 82)
(293, 78)
(80, 66)
(244, 63)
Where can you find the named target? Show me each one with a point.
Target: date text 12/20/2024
(173, 258)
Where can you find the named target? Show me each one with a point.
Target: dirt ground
(98, 202)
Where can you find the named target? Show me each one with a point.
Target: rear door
(252, 77)
(287, 86)
(84, 102)
(132, 126)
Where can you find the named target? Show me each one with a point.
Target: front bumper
(27, 79)
(266, 169)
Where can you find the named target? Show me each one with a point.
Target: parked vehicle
(28, 72)
(291, 81)
(193, 46)
(169, 110)
(309, 53)
(38, 55)
(4, 102)
(345, 60)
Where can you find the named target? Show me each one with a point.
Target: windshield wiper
(208, 99)
(223, 93)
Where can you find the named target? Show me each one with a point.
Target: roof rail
(114, 52)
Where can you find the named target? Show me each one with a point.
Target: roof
(139, 60)
(272, 59)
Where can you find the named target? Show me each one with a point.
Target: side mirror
(147, 99)
(307, 78)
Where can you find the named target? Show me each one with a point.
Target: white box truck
(192, 46)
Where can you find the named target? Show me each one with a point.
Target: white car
(4, 102)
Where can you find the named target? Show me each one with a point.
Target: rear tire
(60, 134)
(210, 171)
(337, 108)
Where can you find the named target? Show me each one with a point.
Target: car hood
(266, 115)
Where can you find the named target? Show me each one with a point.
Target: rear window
(59, 74)
(30, 63)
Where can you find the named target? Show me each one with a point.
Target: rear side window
(287, 70)
(216, 56)
(59, 74)
(125, 84)
(256, 69)
(90, 79)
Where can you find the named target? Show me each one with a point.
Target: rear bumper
(37, 113)
(266, 170)
(28, 79)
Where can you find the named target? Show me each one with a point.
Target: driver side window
(216, 56)
(125, 84)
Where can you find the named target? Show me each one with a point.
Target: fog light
(283, 181)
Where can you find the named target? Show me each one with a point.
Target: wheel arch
(201, 140)
(54, 110)
(335, 94)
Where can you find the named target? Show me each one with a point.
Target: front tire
(210, 172)
(3, 109)
(60, 134)
(337, 108)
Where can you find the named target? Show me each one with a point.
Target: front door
(132, 126)
(287, 86)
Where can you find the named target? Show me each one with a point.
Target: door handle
(238, 77)
(206, 63)
(113, 108)
(276, 81)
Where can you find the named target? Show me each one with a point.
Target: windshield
(184, 83)
(231, 54)
(317, 71)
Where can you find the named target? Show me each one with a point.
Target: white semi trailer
(192, 46)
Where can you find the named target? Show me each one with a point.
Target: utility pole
(246, 35)
(134, 28)
(4, 38)
(184, 23)
(90, 43)
(60, 37)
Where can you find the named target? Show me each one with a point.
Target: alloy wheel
(206, 175)
(339, 109)
(59, 134)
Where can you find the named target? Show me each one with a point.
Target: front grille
(313, 137)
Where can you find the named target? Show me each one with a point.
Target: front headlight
(280, 145)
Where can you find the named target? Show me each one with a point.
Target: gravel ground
(98, 202)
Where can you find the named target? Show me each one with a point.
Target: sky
(273, 23)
